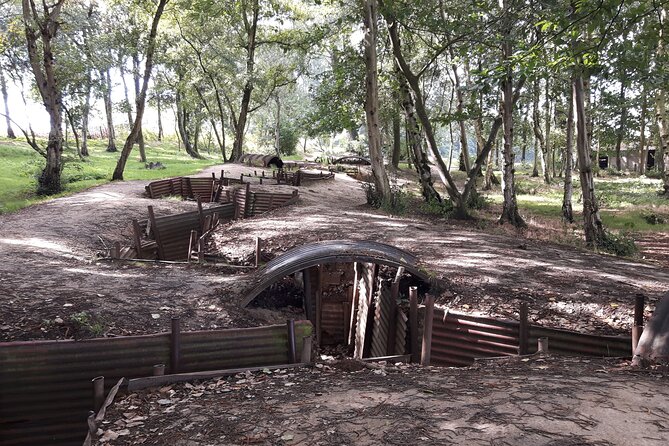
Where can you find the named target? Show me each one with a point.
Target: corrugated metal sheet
(383, 306)
(46, 390)
(562, 342)
(172, 232)
(332, 251)
(260, 160)
(457, 339)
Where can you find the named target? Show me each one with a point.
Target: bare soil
(529, 401)
(50, 273)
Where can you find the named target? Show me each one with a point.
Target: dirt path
(538, 401)
(49, 274)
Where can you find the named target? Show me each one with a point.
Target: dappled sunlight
(93, 197)
(39, 243)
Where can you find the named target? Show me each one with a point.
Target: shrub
(434, 207)
(477, 201)
(397, 203)
(621, 244)
(288, 139)
(654, 219)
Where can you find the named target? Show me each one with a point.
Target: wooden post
(137, 235)
(542, 345)
(258, 251)
(391, 340)
(637, 325)
(156, 233)
(200, 214)
(427, 331)
(159, 370)
(98, 392)
(318, 296)
(200, 250)
(523, 330)
(413, 324)
(175, 346)
(116, 250)
(305, 357)
(191, 243)
(292, 347)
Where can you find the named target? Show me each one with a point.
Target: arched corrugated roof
(333, 251)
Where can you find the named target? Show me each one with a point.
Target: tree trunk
(397, 140)
(42, 63)
(240, 127)
(592, 223)
(539, 150)
(661, 106)
(160, 119)
(106, 96)
(510, 212)
(460, 108)
(141, 100)
(415, 142)
(84, 116)
(3, 89)
(643, 153)
(547, 145)
(621, 127)
(183, 118)
(137, 80)
(277, 127)
(567, 211)
(221, 145)
(73, 126)
(370, 27)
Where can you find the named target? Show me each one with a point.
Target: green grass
(624, 201)
(20, 166)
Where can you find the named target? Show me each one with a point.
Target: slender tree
(141, 100)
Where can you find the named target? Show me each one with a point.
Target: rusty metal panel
(401, 335)
(382, 314)
(46, 390)
(562, 342)
(333, 323)
(457, 339)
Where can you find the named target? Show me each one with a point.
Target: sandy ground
(49, 272)
(535, 401)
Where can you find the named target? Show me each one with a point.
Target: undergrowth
(396, 204)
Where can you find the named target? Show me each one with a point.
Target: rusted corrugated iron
(332, 251)
(352, 159)
(46, 390)
(260, 160)
(458, 339)
(562, 342)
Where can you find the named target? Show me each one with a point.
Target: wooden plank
(156, 233)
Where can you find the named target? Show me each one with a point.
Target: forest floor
(516, 401)
(54, 286)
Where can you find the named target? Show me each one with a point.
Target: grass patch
(20, 167)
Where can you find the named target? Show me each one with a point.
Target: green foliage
(288, 139)
(654, 219)
(621, 244)
(477, 201)
(433, 207)
(84, 323)
(397, 204)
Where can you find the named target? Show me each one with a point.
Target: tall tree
(41, 24)
(370, 28)
(141, 99)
